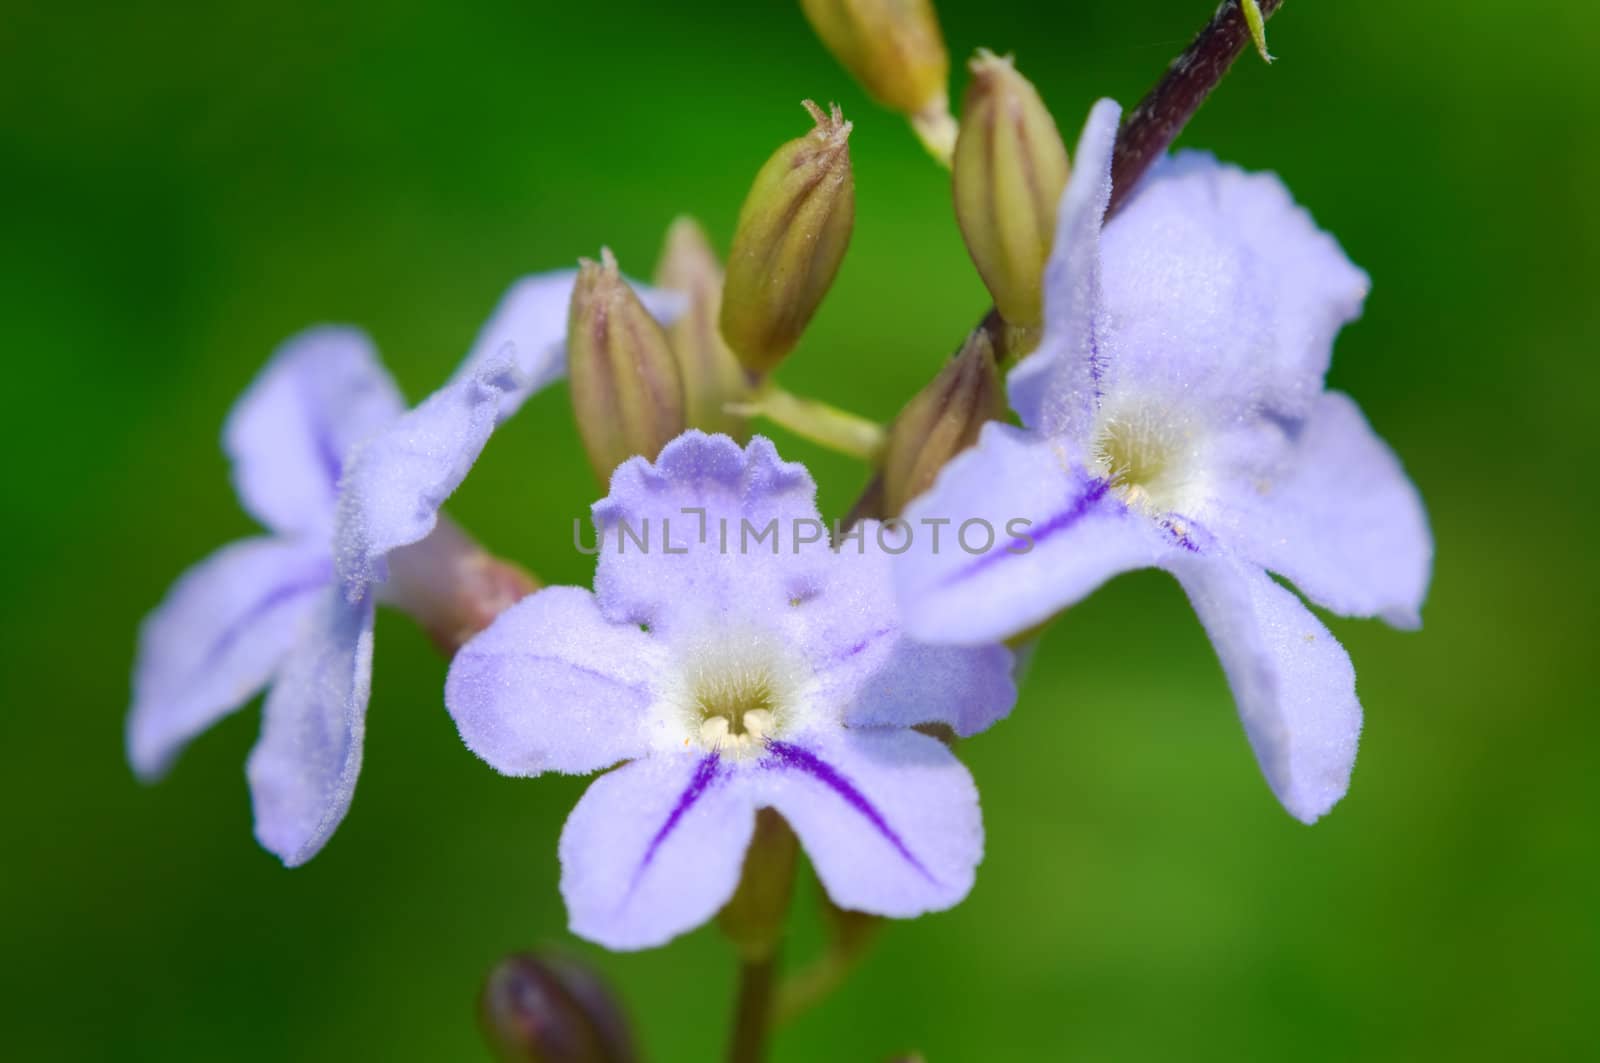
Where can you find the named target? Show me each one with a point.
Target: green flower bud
(793, 230)
(941, 421)
(544, 1009)
(1010, 169)
(892, 47)
(712, 376)
(626, 391)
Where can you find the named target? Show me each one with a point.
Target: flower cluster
(1164, 365)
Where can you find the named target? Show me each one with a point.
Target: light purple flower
(346, 480)
(1175, 417)
(730, 675)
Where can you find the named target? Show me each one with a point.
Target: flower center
(734, 706)
(1148, 455)
(736, 692)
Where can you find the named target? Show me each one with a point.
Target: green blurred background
(185, 185)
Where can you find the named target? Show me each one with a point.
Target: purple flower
(1175, 417)
(731, 673)
(349, 484)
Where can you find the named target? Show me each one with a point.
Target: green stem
(814, 984)
(752, 1016)
(829, 426)
(850, 935)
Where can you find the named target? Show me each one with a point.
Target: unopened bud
(753, 917)
(452, 586)
(543, 1009)
(941, 421)
(1010, 169)
(793, 230)
(712, 376)
(892, 47)
(626, 391)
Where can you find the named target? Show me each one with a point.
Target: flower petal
(1343, 522)
(1225, 295)
(552, 686)
(288, 436)
(216, 639)
(851, 633)
(303, 768)
(1293, 682)
(734, 517)
(530, 326)
(1057, 387)
(889, 818)
(654, 849)
(398, 479)
(1058, 533)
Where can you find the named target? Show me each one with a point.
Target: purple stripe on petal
(1185, 533)
(1094, 491)
(319, 578)
(328, 456)
(1096, 369)
(856, 648)
(787, 755)
(705, 773)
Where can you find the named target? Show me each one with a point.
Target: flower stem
(752, 1016)
(850, 935)
(836, 429)
(753, 921)
(1158, 119)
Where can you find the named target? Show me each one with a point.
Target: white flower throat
(736, 691)
(1150, 455)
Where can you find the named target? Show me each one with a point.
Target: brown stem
(752, 1016)
(1155, 123)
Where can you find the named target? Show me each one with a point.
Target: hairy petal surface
(654, 849)
(1222, 290)
(552, 686)
(322, 392)
(721, 524)
(1342, 520)
(398, 480)
(1057, 388)
(1059, 533)
(303, 769)
(889, 818)
(1293, 682)
(215, 640)
(851, 633)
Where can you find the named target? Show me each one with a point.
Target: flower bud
(941, 421)
(793, 230)
(892, 47)
(542, 1009)
(712, 376)
(1010, 169)
(626, 391)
